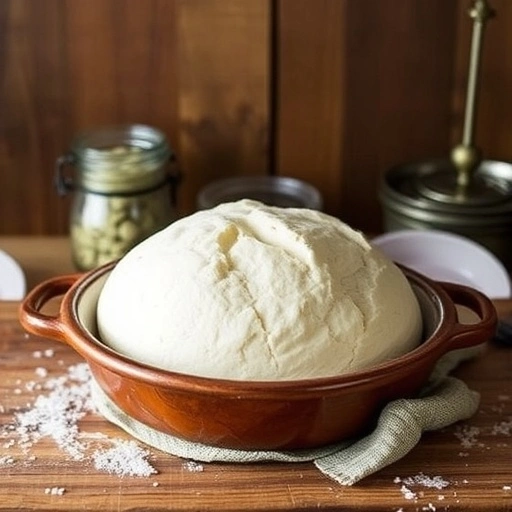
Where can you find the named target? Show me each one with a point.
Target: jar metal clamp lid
(119, 160)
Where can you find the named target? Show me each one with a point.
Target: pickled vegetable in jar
(124, 185)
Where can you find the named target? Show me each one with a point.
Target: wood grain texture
(195, 69)
(33, 115)
(371, 88)
(72, 66)
(312, 94)
(224, 86)
(478, 475)
(399, 101)
(331, 91)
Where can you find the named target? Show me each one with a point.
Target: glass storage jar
(124, 184)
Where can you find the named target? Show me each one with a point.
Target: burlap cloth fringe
(442, 402)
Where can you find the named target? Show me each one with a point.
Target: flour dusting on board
(55, 414)
(124, 458)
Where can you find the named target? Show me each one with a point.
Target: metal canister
(411, 200)
(464, 194)
(280, 191)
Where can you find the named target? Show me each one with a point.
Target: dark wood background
(330, 91)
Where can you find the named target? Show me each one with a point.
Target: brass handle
(466, 156)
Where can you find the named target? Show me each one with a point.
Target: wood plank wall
(330, 91)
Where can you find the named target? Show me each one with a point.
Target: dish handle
(42, 324)
(484, 328)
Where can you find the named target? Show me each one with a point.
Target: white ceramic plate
(447, 257)
(12, 278)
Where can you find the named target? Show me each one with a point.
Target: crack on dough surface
(227, 239)
(251, 292)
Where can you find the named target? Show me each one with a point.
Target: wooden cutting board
(478, 471)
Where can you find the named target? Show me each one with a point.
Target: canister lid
(442, 185)
(272, 190)
(432, 185)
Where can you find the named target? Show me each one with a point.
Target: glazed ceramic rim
(97, 353)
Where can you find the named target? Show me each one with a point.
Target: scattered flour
(468, 436)
(433, 482)
(41, 372)
(38, 354)
(56, 413)
(55, 491)
(503, 428)
(125, 458)
(407, 493)
(193, 466)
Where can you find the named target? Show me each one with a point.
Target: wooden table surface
(476, 466)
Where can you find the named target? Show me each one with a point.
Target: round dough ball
(247, 291)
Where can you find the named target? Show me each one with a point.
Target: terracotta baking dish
(255, 415)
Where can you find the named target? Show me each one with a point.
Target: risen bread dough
(250, 292)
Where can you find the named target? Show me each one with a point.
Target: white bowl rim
(12, 278)
(497, 286)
